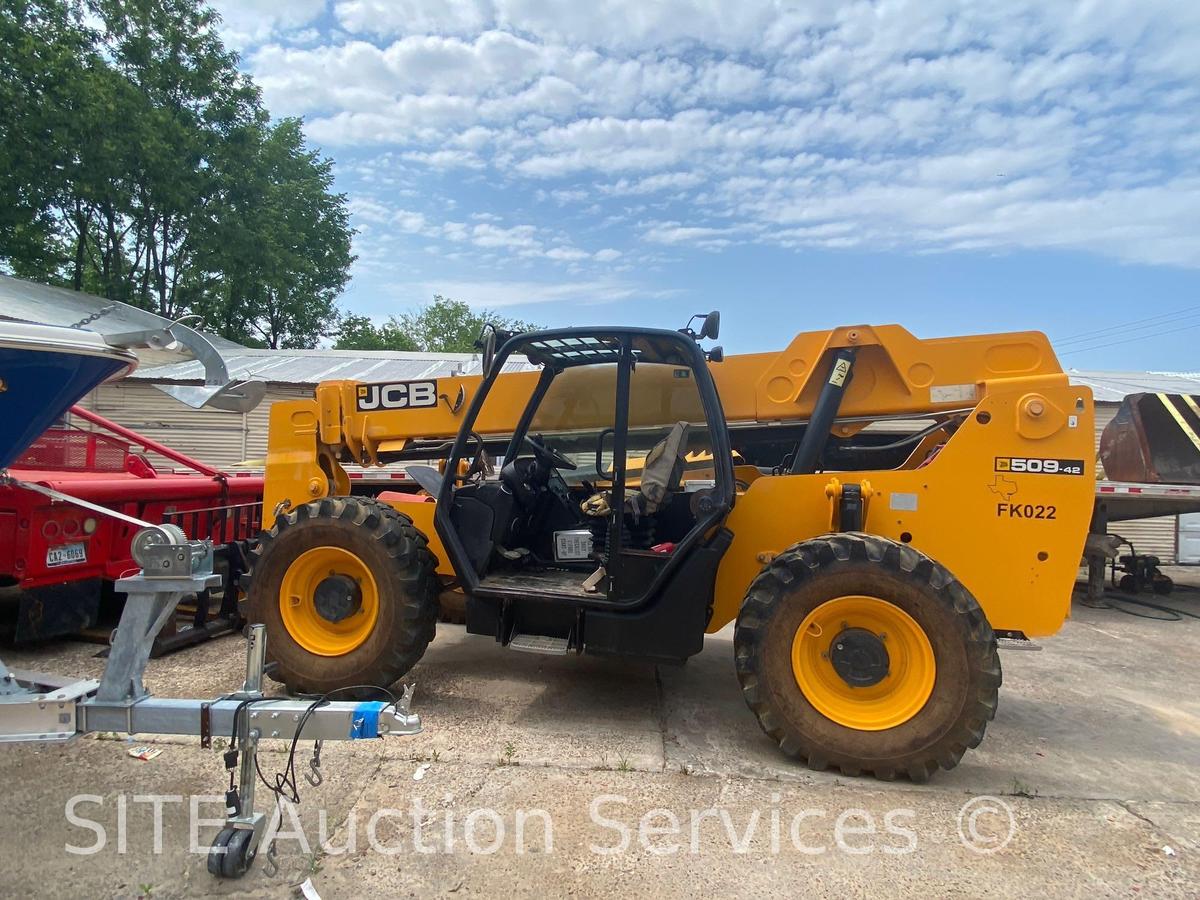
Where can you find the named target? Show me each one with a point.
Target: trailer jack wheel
(232, 853)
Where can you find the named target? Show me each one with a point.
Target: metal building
(228, 439)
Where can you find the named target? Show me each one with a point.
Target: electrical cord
(1174, 614)
(1136, 324)
(286, 785)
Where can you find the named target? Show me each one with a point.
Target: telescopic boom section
(892, 374)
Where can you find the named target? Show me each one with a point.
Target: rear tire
(949, 624)
(380, 541)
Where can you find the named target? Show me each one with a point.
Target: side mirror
(712, 325)
(716, 354)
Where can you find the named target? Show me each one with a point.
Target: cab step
(540, 643)
(1015, 640)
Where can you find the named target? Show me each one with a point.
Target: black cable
(1142, 337)
(286, 786)
(1175, 615)
(237, 713)
(1136, 324)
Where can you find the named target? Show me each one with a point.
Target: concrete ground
(594, 776)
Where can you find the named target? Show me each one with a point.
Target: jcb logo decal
(397, 395)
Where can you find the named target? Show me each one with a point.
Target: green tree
(443, 326)
(282, 248)
(137, 162)
(45, 53)
(191, 100)
(360, 333)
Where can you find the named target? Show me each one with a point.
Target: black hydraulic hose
(816, 435)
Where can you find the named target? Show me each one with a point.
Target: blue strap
(364, 723)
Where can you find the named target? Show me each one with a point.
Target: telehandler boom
(872, 510)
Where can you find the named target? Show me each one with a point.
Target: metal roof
(314, 366)
(305, 367)
(1113, 387)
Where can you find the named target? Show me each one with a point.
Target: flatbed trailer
(1120, 501)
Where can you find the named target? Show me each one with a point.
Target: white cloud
(518, 293)
(248, 22)
(666, 181)
(675, 233)
(379, 224)
(634, 24)
(518, 238)
(920, 127)
(567, 254)
(414, 16)
(446, 159)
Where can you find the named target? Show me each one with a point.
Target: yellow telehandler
(872, 510)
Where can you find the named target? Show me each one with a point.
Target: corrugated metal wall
(213, 436)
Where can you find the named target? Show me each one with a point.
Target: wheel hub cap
(337, 597)
(859, 657)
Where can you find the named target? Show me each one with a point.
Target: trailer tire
(930, 700)
(380, 560)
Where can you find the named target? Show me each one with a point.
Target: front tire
(862, 654)
(347, 590)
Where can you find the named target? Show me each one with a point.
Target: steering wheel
(547, 455)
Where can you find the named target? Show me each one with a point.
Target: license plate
(66, 554)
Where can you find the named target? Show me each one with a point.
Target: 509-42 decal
(1037, 466)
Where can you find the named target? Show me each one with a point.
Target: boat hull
(44, 371)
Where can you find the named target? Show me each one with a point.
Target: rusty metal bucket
(1153, 439)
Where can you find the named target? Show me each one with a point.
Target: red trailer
(59, 558)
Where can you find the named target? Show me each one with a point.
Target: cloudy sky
(953, 167)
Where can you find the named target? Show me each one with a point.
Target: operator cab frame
(621, 458)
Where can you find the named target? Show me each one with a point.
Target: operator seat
(661, 473)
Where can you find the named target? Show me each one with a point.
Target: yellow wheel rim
(299, 610)
(822, 640)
